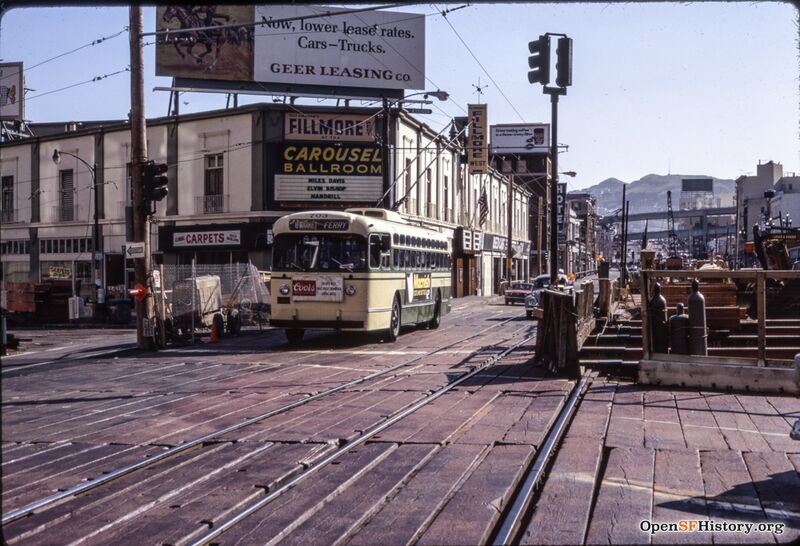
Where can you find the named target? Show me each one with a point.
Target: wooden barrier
(567, 320)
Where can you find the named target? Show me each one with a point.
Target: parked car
(539, 284)
(517, 290)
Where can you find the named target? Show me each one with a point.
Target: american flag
(483, 206)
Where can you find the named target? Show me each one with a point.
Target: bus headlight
(284, 289)
(350, 290)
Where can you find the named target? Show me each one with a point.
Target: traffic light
(154, 181)
(539, 61)
(564, 62)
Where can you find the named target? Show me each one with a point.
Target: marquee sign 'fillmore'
(346, 173)
(368, 49)
(329, 127)
(477, 158)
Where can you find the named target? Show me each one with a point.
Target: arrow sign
(134, 250)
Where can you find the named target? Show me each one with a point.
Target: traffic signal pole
(141, 227)
(539, 63)
(554, 185)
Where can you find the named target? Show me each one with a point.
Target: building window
(407, 189)
(7, 199)
(67, 196)
(447, 200)
(429, 185)
(213, 201)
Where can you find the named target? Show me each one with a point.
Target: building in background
(767, 198)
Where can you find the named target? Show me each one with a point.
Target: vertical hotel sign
(563, 219)
(477, 145)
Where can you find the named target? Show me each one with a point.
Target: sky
(705, 88)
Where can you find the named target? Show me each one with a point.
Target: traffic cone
(214, 336)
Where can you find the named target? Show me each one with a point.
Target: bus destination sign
(317, 224)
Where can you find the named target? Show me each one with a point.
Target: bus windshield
(319, 252)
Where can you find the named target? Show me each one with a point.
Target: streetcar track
(57, 498)
(363, 437)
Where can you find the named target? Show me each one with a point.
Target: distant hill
(649, 193)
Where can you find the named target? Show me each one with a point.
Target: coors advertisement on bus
(342, 173)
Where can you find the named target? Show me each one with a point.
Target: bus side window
(379, 250)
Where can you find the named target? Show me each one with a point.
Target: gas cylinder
(658, 320)
(697, 321)
(679, 332)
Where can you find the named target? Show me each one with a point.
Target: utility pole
(141, 226)
(387, 181)
(510, 205)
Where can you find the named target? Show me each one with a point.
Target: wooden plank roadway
(669, 456)
(442, 475)
(486, 431)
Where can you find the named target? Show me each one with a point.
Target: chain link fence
(233, 290)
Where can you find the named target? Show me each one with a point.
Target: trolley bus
(357, 270)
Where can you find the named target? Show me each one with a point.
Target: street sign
(134, 250)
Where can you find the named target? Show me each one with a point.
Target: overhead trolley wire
(95, 79)
(444, 16)
(93, 43)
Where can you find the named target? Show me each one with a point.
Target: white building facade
(236, 171)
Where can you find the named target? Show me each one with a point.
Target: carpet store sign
(207, 238)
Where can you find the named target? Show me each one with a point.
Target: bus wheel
(437, 313)
(294, 335)
(394, 321)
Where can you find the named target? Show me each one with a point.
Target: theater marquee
(343, 173)
(329, 127)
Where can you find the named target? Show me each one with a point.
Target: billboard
(520, 138)
(477, 158)
(698, 184)
(328, 173)
(297, 45)
(11, 92)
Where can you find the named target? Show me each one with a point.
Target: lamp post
(97, 253)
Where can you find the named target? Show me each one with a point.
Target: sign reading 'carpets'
(320, 172)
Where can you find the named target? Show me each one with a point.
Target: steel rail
(510, 524)
(56, 498)
(242, 514)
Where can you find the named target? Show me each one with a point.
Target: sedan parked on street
(517, 290)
